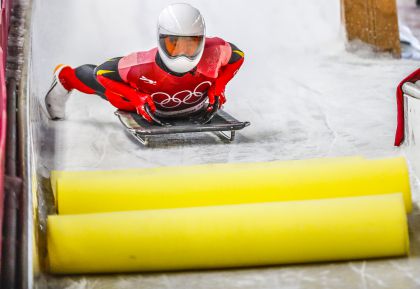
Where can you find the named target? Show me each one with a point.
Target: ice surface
(304, 95)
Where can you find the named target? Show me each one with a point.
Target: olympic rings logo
(182, 97)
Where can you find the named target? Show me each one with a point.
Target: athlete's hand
(144, 99)
(216, 90)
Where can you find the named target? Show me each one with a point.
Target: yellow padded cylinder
(228, 236)
(189, 169)
(220, 184)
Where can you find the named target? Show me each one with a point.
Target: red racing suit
(143, 78)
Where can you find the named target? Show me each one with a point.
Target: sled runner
(219, 122)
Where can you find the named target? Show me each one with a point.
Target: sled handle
(208, 115)
(153, 117)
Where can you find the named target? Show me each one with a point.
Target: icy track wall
(4, 28)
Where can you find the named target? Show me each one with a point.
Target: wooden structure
(374, 22)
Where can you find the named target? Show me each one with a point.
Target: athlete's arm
(108, 76)
(226, 73)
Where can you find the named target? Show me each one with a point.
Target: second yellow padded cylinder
(228, 236)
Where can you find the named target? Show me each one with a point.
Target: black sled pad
(222, 123)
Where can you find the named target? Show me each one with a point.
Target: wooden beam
(374, 22)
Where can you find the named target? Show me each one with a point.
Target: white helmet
(181, 37)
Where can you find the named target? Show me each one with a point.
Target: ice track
(303, 93)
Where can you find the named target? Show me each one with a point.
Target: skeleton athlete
(185, 74)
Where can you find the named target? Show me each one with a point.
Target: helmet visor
(174, 46)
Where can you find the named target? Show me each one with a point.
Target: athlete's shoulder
(227, 51)
(216, 54)
(217, 47)
(212, 42)
(136, 59)
(140, 57)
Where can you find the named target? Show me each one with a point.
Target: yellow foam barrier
(228, 236)
(55, 174)
(220, 184)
